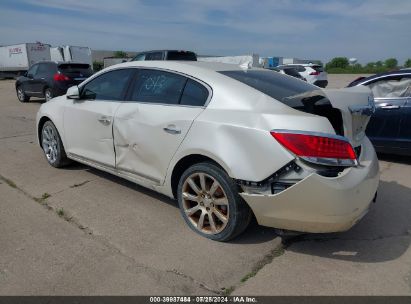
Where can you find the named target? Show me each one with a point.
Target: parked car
(49, 79)
(227, 142)
(166, 55)
(313, 73)
(291, 71)
(390, 127)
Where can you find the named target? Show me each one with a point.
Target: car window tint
(158, 87)
(273, 84)
(391, 87)
(33, 70)
(194, 94)
(140, 57)
(154, 56)
(181, 55)
(108, 86)
(42, 69)
(76, 69)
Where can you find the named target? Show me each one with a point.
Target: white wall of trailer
(20, 57)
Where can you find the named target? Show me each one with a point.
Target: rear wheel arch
(184, 163)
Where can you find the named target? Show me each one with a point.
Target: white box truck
(18, 58)
(71, 53)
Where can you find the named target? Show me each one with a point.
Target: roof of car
(185, 65)
(369, 78)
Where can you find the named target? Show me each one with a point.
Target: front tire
(21, 95)
(53, 146)
(210, 204)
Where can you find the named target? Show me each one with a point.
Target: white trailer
(18, 58)
(78, 54)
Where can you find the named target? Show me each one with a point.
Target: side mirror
(25, 74)
(73, 93)
(30, 76)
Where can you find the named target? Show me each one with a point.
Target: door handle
(172, 129)
(104, 120)
(390, 107)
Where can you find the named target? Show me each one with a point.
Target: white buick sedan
(228, 142)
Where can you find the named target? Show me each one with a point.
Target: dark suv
(166, 55)
(49, 79)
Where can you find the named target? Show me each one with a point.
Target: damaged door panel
(146, 137)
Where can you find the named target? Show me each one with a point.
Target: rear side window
(194, 94)
(75, 69)
(158, 87)
(154, 56)
(108, 86)
(181, 55)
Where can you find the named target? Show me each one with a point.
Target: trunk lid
(356, 105)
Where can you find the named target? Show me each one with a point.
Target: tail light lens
(315, 73)
(60, 77)
(320, 148)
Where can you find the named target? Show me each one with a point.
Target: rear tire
(48, 94)
(52, 146)
(21, 95)
(210, 204)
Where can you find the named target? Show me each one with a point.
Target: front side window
(109, 86)
(391, 87)
(140, 57)
(158, 87)
(33, 70)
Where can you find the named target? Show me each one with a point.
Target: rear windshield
(292, 72)
(181, 55)
(76, 69)
(292, 92)
(272, 84)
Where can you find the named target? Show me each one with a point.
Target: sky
(368, 30)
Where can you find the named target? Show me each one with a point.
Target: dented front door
(151, 124)
(146, 136)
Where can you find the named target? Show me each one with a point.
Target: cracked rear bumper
(320, 204)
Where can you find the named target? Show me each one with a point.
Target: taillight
(60, 77)
(315, 73)
(317, 148)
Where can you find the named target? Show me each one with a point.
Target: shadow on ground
(254, 234)
(384, 234)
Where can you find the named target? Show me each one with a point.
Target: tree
(120, 54)
(97, 66)
(391, 63)
(407, 63)
(378, 64)
(338, 62)
(370, 65)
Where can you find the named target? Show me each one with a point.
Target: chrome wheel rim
(205, 203)
(48, 95)
(50, 144)
(20, 94)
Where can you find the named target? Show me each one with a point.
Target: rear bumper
(319, 204)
